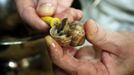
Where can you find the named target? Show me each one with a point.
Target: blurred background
(115, 15)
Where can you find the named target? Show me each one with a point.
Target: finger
(75, 13)
(71, 13)
(86, 53)
(27, 11)
(69, 50)
(94, 33)
(65, 3)
(59, 71)
(65, 61)
(78, 14)
(62, 5)
(46, 7)
(104, 40)
(107, 59)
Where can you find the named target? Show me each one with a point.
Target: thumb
(62, 58)
(46, 7)
(108, 41)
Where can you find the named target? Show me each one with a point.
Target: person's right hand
(32, 10)
(116, 56)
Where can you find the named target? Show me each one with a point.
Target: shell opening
(68, 33)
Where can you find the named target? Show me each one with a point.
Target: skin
(112, 53)
(32, 10)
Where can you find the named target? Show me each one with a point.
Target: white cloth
(116, 15)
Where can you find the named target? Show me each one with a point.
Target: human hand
(32, 10)
(116, 56)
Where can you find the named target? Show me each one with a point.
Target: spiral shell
(69, 33)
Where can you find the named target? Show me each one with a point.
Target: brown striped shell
(70, 33)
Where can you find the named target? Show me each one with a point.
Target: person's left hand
(31, 11)
(116, 56)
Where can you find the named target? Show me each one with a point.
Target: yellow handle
(51, 21)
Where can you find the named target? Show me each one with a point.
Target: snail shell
(70, 33)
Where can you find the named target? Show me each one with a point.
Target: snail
(67, 33)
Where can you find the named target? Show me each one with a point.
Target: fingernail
(91, 28)
(46, 9)
(49, 40)
(79, 14)
(94, 27)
